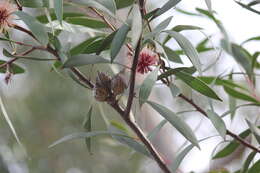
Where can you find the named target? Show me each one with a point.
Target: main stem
(142, 137)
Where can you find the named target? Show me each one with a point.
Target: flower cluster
(6, 18)
(147, 58)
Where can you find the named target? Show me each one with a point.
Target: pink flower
(147, 58)
(6, 18)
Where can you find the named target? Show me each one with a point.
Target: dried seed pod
(118, 84)
(103, 80)
(100, 93)
(102, 87)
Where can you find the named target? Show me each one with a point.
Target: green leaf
(15, 69)
(180, 28)
(167, 6)
(247, 7)
(118, 40)
(255, 130)
(249, 159)
(71, 75)
(109, 4)
(253, 3)
(86, 21)
(188, 48)
(123, 3)
(218, 123)
(88, 46)
(130, 142)
(58, 8)
(221, 82)
(137, 26)
(239, 95)
(87, 127)
(84, 60)
(158, 29)
(151, 135)
(44, 19)
(147, 85)
(255, 168)
(193, 82)
(80, 135)
(187, 12)
(172, 55)
(97, 5)
(35, 27)
(176, 122)
(175, 91)
(251, 39)
(209, 4)
(180, 157)
(34, 3)
(232, 146)
(242, 58)
(105, 44)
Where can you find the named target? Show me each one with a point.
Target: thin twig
(110, 25)
(19, 6)
(132, 80)
(236, 137)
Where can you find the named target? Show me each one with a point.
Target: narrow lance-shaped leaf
(242, 58)
(209, 4)
(172, 55)
(156, 130)
(106, 43)
(87, 22)
(176, 122)
(248, 7)
(147, 86)
(109, 4)
(81, 135)
(188, 48)
(180, 157)
(255, 168)
(167, 6)
(180, 28)
(58, 8)
(239, 95)
(118, 40)
(15, 69)
(35, 27)
(159, 28)
(193, 82)
(137, 25)
(80, 48)
(87, 127)
(232, 146)
(175, 91)
(84, 60)
(255, 130)
(130, 142)
(123, 4)
(218, 123)
(8, 54)
(247, 162)
(8, 120)
(97, 5)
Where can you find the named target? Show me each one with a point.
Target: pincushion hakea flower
(6, 18)
(147, 58)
